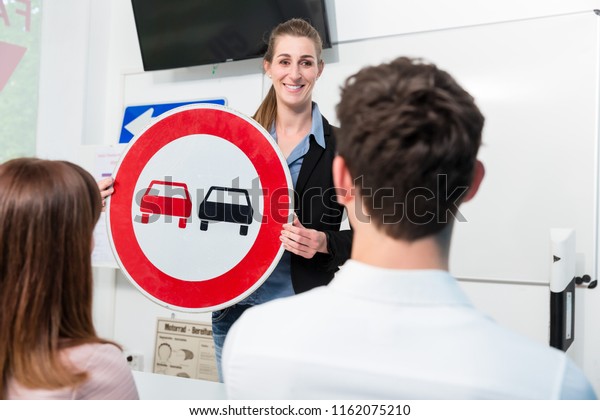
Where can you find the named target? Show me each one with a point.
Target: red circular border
(206, 293)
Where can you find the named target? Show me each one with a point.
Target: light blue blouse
(279, 283)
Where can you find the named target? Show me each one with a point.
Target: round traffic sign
(200, 199)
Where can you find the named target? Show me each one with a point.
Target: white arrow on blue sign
(137, 117)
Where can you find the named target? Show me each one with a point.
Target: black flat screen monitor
(184, 33)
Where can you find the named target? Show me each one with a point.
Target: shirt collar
(412, 287)
(316, 129)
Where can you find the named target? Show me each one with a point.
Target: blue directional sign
(136, 118)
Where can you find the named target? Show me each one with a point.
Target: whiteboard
(536, 81)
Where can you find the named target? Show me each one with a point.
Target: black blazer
(317, 208)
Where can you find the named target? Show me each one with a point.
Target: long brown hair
(48, 210)
(267, 111)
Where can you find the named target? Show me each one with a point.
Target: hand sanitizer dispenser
(562, 288)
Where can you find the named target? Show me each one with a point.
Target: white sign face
(200, 199)
(217, 249)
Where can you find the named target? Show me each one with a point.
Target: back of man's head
(409, 135)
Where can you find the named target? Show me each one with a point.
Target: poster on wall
(106, 158)
(20, 34)
(185, 349)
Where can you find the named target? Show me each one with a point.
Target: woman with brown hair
(48, 345)
(315, 246)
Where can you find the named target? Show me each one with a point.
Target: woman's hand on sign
(106, 188)
(302, 241)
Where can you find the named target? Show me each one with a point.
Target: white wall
(65, 30)
(391, 17)
(91, 68)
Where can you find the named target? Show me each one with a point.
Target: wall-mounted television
(184, 33)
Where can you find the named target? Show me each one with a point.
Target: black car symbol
(223, 204)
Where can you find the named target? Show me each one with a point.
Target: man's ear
(478, 175)
(342, 180)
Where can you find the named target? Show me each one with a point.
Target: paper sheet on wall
(105, 161)
(102, 255)
(185, 349)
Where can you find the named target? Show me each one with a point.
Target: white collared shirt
(377, 333)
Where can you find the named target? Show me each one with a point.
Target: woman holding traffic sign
(314, 243)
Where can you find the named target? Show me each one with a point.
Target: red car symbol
(167, 198)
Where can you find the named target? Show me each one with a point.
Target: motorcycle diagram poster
(185, 349)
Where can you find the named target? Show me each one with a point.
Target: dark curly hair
(409, 135)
